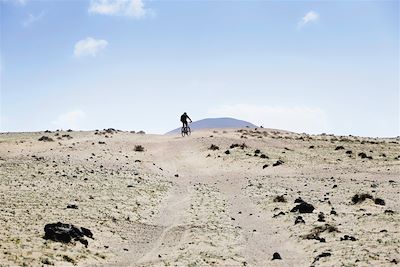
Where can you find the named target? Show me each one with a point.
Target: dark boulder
(303, 207)
(65, 233)
(276, 256)
(379, 201)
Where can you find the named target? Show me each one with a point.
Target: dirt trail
(254, 238)
(179, 203)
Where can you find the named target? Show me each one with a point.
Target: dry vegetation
(249, 197)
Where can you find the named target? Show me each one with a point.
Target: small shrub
(360, 198)
(138, 148)
(279, 199)
(46, 139)
(69, 259)
(213, 147)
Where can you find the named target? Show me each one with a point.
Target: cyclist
(184, 118)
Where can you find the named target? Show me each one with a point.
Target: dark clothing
(184, 118)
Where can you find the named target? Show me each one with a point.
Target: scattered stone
(227, 152)
(176, 175)
(276, 256)
(257, 151)
(72, 206)
(389, 211)
(303, 207)
(339, 148)
(349, 152)
(265, 166)
(360, 198)
(379, 201)
(213, 147)
(279, 162)
(348, 237)
(66, 136)
(65, 233)
(322, 255)
(299, 219)
(46, 139)
(311, 147)
(263, 156)
(321, 217)
(242, 146)
(138, 148)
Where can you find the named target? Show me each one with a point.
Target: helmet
(184, 113)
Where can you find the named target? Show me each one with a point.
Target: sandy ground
(178, 203)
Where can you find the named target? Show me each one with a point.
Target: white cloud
(129, 8)
(310, 17)
(70, 120)
(89, 47)
(32, 19)
(297, 119)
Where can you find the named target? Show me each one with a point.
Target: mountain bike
(185, 131)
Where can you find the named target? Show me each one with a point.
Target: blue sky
(312, 66)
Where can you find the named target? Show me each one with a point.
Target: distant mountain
(215, 123)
